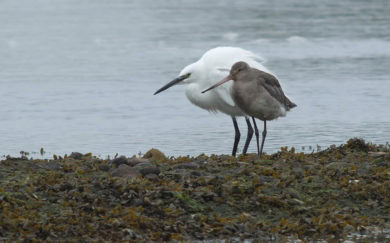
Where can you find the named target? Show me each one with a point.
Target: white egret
(210, 68)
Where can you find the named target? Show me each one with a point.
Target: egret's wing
(224, 69)
(257, 58)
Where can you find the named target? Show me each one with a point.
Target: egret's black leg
(236, 137)
(264, 134)
(249, 136)
(257, 135)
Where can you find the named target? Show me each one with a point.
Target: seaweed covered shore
(333, 194)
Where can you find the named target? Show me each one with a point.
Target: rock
(119, 161)
(263, 179)
(295, 201)
(195, 173)
(104, 167)
(209, 196)
(178, 174)
(336, 165)
(130, 234)
(76, 155)
(383, 164)
(66, 187)
(54, 166)
(137, 202)
(143, 165)
(135, 161)
(152, 177)
(125, 171)
(357, 144)
(155, 155)
(377, 154)
(149, 170)
(241, 171)
(298, 172)
(189, 165)
(51, 165)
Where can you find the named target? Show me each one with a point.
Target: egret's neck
(194, 94)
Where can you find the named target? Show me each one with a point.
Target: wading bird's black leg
(236, 137)
(249, 136)
(264, 134)
(257, 136)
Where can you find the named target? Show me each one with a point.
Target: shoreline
(326, 195)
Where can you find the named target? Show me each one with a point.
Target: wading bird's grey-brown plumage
(258, 94)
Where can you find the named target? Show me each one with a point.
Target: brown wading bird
(258, 94)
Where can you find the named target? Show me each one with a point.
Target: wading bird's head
(236, 71)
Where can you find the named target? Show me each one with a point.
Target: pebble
(76, 155)
(119, 161)
(189, 165)
(149, 170)
(125, 171)
(135, 161)
(104, 167)
(152, 177)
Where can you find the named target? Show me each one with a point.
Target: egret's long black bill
(173, 82)
(228, 78)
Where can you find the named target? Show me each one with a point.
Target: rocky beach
(340, 193)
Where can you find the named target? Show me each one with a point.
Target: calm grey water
(80, 75)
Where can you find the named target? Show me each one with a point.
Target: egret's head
(187, 75)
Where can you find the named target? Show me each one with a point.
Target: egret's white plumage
(214, 65)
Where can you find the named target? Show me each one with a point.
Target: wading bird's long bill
(228, 78)
(173, 82)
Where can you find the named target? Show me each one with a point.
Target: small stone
(195, 173)
(125, 171)
(357, 144)
(134, 161)
(137, 202)
(349, 228)
(130, 233)
(76, 155)
(149, 170)
(66, 187)
(383, 164)
(210, 179)
(178, 174)
(52, 165)
(299, 172)
(152, 177)
(377, 154)
(104, 167)
(189, 165)
(143, 165)
(119, 161)
(295, 201)
(155, 155)
(209, 196)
